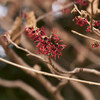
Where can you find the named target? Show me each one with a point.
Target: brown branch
(49, 74)
(85, 92)
(85, 36)
(60, 85)
(20, 84)
(78, 70)
(23, 49)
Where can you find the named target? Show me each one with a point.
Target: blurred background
(18, 84)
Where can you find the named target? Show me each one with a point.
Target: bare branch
(78, 70)
(85, 36)
(49, 74)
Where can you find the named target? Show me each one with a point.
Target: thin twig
(77, 9)
(85, 36)
(87, 70)
(49, 74)
(23, 49)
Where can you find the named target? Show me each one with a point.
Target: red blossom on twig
(50, 46)
(88, 29)
(96, 24)
(34, 34)
(80, 21)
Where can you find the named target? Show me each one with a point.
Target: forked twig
(49, 74)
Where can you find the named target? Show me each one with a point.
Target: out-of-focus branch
(60, 85)
(20, 84)
(52, 12)
(87, 95)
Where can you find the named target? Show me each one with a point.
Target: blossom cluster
(80, 21)
(83, 22)
(50, 46)
(96, 24)
(85, 19)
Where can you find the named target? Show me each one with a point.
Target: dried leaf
(15, 32)
(31, 20)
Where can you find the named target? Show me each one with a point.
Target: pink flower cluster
(50, 46)
(96, 24)
(81, 2)
(34, 34)
(88, 29)
(80, 21)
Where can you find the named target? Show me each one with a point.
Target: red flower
(56, 47)
(49, 46)
(88, 29)
(80, 21)
(34, 34)
(96, 23)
